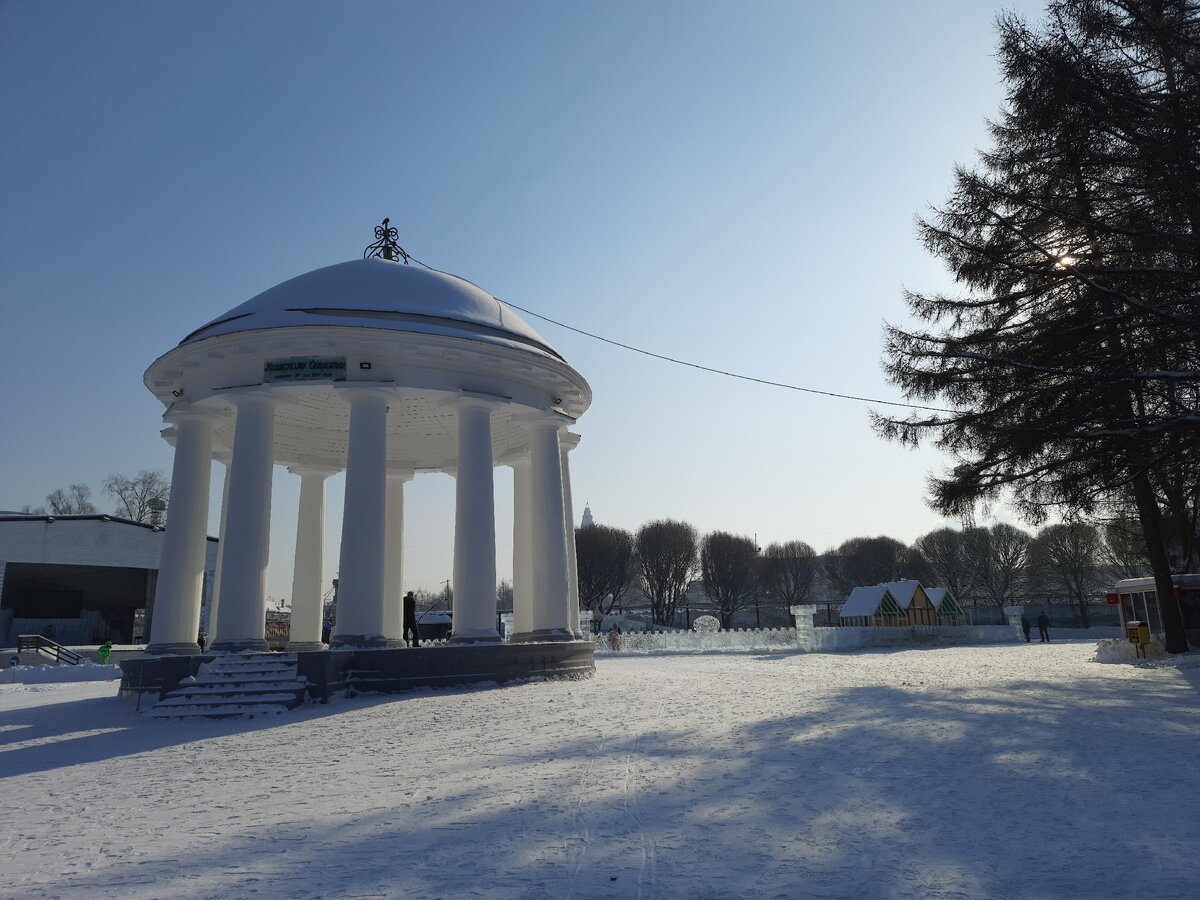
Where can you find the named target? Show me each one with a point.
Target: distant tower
(587, 516)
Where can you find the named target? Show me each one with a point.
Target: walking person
(1025, 626)
(105, 653)
(200, 641)
(614, 637)
(411, 633)
(1044, 627)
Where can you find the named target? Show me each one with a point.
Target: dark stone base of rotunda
(387, 670)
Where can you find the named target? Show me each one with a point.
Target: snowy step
(245, 686)
(264, 666)
(274, 698)
(246, 677)
(223, 711)
(266, 687)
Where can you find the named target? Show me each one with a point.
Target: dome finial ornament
(386, 246)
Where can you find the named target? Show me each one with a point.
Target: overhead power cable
(702, 368)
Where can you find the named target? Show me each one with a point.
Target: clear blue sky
(732, 183)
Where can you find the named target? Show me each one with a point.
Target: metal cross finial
(386, 246)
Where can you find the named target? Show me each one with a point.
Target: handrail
(43, 644)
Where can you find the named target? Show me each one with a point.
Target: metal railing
(44, 645)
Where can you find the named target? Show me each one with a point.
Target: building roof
(940, 596)
(380, 294)
(904, 591)
(866, 601)
(96, 517)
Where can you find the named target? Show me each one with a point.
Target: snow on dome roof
(377, 293)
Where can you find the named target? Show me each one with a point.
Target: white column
(550, 589)
(247, 538)
(474, 526)
(567, 443)
(176, 620)
(522, 549)
(360, 617)
(393, 558)
(223, 457)
(308, 572)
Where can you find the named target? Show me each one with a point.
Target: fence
(772, 640)
(812, 639)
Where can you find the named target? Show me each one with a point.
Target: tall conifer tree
(1068, 360)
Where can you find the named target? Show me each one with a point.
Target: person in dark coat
(1025, 626)
(411, 632)
(1044, 627)
(200, 640)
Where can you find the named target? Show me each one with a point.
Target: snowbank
(1119, 650)
(85, 671)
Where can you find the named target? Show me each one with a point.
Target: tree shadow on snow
(880, 791)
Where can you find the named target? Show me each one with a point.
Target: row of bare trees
(665, 557)
(996, 566)
(140, 498)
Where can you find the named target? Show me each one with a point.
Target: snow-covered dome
(422, 338)
(381, 294)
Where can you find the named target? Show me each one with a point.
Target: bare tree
(74, 501)
(607, 565)
(28, 510)
(1125, 549)
(863, 561)
(1068, 557)
(504, 596)
(728, 566)
(1003, 559)
(666, 552)
(789, 573)
(950, 563)
(142, 498)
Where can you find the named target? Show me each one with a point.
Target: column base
(166, 649)
(358, 642)
(543, 635)
(305, 646)
(477, 636)
(251, 645)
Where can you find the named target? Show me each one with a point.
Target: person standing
(410, 620)
(200, 641)
(1025, 626)
(105, 653)
(1044, 627)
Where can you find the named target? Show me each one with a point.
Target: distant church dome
(587, 516)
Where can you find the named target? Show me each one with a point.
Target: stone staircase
(236, 686)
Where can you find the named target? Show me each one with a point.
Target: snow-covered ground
(1009, 771)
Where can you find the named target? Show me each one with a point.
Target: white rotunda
(383, 370)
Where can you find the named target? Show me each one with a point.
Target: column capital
(542, 418)
(189, 412)
(465, 399)
(307, 469)
(244, 396)
(519, 456)
(400, 472)
(351, 389)
(568, 440)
